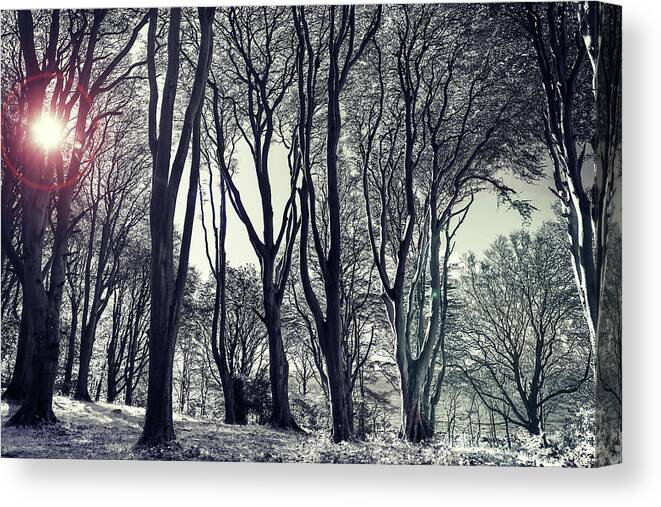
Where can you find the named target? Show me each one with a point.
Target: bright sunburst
(47, 132)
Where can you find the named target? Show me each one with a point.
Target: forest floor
(107, 431)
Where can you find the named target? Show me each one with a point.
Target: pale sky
(486, 220)
(238, 246)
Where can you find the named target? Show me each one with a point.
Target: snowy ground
(106, 431)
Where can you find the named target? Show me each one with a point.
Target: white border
(636, 482)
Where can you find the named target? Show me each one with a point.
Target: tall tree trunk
(71, 351)
(37, 405)
(96, 308)
(342, 55)
(233, 414)
(166, 288)
(113, 361)
(85, 358)
(158, 427)
(602, 34)
(281, 415)
(339, 389)
(21, 376)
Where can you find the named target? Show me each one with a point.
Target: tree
(259, 48)
(167, 288)
(126, 350)
(117, 204)
(11, 274)
(342, 56)
(71, 79)
(448, 117)
(222, 136)
(77, 255)
(11, 217)
(582, 107)
(522, 339)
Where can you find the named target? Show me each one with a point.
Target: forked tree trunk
(37, 405)
(166, 288)
(234, 407)
(342, 55)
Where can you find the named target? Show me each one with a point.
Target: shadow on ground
(104, 431)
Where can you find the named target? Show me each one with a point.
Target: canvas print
(383, 234)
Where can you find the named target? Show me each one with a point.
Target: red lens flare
(47, 132)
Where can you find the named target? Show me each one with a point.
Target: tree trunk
(219, 319)
(533, 426)
(159, 428)
(507, 432)
(166, 288)
(111, 394)
(86, 346)
(281, 416)
(339, 390)
(113, 372)
(416, 425)
(99, 386)
(37, 407)
(128, 393)
(21, 376)
(71, 352)
(239, 401)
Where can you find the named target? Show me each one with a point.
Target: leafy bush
(257, 396)
(577, 439)
(310, 412)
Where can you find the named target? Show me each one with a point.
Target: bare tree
(522, 330)
(167, 286)
(66, 82)
(342, 56)
(117, 203)
(259, 46)
(126, 350)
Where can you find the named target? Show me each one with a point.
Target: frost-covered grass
(106, 431)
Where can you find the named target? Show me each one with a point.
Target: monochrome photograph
(344, 234)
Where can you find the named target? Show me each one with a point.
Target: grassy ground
(106, 431)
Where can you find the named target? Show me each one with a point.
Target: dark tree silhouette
(342, 56)
(60, 83)
(167, 287)
(259, 47)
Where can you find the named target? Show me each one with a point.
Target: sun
(47, 132)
